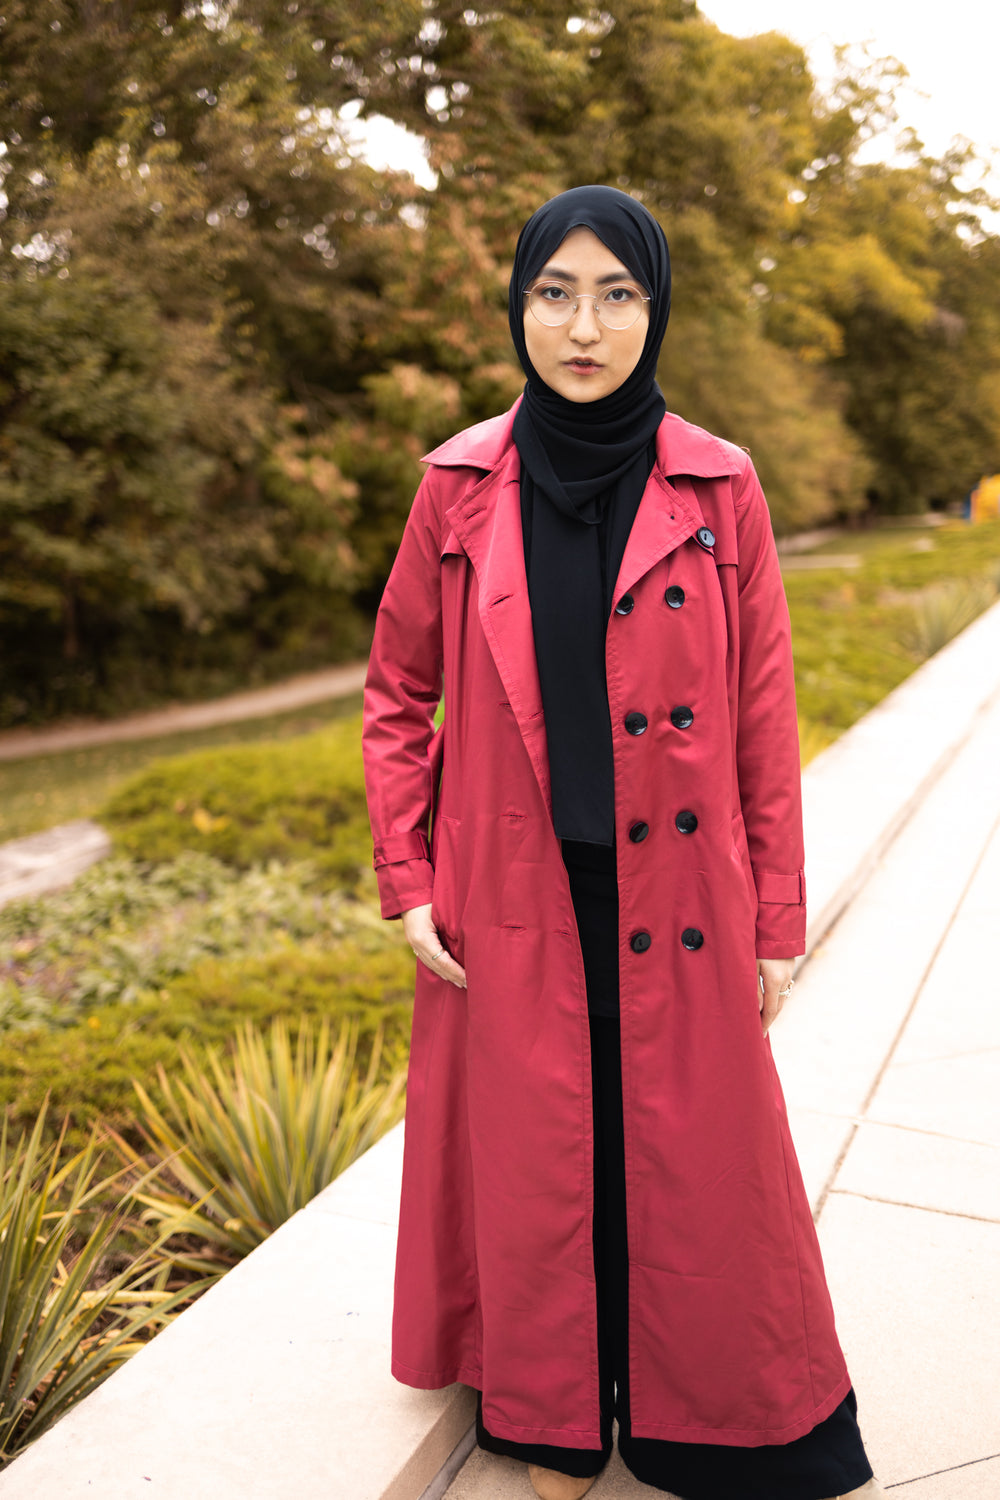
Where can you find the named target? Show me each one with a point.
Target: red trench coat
(731, 1331)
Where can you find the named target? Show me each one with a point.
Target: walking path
(296, 692)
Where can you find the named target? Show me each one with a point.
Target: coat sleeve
(767, 741)
(402, 692)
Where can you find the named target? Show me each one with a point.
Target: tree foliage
(225, 340)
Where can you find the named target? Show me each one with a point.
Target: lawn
(45, 790)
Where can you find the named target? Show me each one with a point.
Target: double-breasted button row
(685, 822)
(681, 717)
(691, 938)
(674, 596)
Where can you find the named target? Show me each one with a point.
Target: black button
(681, 717)
(641, 941)
(625, 605)
(705, 537)
(638, 832)
(674, 596)
(636, 723)
(685, 822)
(692, 938)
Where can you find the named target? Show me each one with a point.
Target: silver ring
(435, 956)
(783, 993)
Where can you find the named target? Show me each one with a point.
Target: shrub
(126, 927)
(240, 1144)
(65, 1324)
(299, 800)
(88, 1067)
(943, 610)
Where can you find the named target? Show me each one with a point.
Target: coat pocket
(447, 879)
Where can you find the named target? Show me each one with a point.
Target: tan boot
(549, 1484)
(870, 1491)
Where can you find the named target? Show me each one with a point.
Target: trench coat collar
(485, 524)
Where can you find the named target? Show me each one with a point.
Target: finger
(440, 962)
(770, 1004)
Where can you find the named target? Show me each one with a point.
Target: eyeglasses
(554, 303)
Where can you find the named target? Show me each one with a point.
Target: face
(583, 359)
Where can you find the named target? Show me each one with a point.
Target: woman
(602, 1215)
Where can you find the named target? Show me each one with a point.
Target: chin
(582, 394)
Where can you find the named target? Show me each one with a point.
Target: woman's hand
(774, 980)
(422, 937)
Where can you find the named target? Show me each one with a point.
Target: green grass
(853, 630)
(41, 791)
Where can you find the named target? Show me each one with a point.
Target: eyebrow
(621, 275)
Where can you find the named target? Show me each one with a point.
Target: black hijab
(584, 466)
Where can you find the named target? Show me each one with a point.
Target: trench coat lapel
(664, 520)
(487, 523)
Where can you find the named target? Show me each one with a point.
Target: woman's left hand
(774, 975)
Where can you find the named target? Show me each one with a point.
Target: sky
(951, 51)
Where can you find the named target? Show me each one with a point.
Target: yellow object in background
(984, 502)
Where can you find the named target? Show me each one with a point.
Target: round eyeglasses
(554, 303)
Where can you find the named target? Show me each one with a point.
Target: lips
(583, 366)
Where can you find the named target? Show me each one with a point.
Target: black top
(584, 466)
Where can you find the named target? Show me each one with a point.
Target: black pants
(828, 1461)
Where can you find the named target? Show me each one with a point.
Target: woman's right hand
(422, 937)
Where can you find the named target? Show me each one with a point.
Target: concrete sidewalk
(898, 1133)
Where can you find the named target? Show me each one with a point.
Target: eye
(551, 291)
(621, 296)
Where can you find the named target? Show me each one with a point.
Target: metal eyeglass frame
(595, 297)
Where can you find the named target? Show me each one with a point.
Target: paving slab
(917, 1297)
(924, 1170)
(975, 1481)
(820, 1142)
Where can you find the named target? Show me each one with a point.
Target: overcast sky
(951, 51)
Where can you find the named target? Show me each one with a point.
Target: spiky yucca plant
(241, 1144)
(64, 1324)
(943, 610)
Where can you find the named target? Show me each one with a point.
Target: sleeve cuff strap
(787, 890)
(396, 848)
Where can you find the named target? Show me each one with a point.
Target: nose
(584, 327)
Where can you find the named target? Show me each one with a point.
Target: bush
(126, 927)
(88, 1067)
(65, 1322)
(943, 610)
(300, 800)
(241, 1144)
